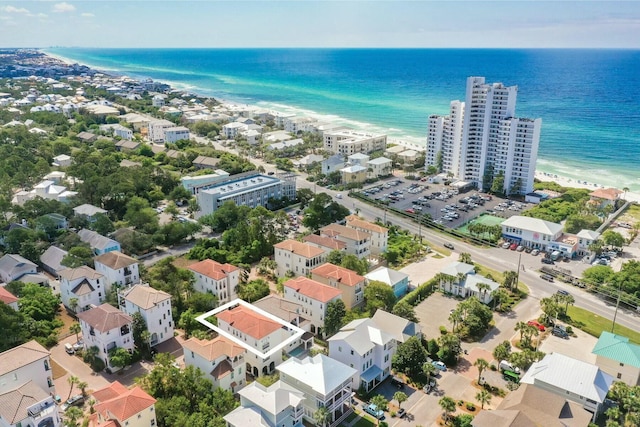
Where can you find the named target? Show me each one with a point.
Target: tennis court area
(485, 220)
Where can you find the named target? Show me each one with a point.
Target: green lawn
(364, 420)
(499, 277)
(632, 214)
(594, 325)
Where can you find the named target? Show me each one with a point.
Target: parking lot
(445, 205)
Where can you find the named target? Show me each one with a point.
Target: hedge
(421, 292)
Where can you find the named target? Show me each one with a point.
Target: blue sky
(308, 23)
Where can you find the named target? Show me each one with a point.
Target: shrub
(470, 406)
(460, 402)
(421, 292)
(393, 414)
(493, 367)
(443, 330)
(97, 365)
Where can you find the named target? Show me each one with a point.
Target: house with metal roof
(618, 357)
(155, 308)
(14, 267)
(82, 288)
(397, 280)
(260, 406)
(571, 379)
(460, 279)
(98, 243)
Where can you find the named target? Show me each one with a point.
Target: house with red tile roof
(325, 243)
(297, 257)
(221, 360)
(314, 298)
(605, 196)
(218, 279)
(358, 242)
(8, 298)
(379, 234)
(117, 405)
(350, 283)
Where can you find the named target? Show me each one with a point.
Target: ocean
(589, 100)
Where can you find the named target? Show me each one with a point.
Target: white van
(506, 366)
(69, 348)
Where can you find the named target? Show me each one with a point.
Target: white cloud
(42, 15)
(13, 9)
(63, 7)
(88, 15)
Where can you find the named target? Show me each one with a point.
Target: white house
(398, 327)
(461, 279)
(299, 258)
(260, 406)
(107, 328)
(618, 357)
(155, 308)
(14, 266)
(27, 362)
(571, 379)
(230, 130)
(176, 133)
(98, 243)
(118, 130)
(358, 242)
(8, 298)
(156, 130)
(324, 382)
(28, 405)
(363, 346)
(585, 239)
(158, 100)
(61, 161)
(314, 298)
(397, 280)
(218, 279)
(379, 234)
(380, 166)
(530, 232)
(116, 405)
(88, 211)
(83, 284)
(220, 359)
(117, 268)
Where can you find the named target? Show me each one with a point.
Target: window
(621, 364)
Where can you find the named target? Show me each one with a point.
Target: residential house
(314, 298)
(585, 239)
(98, 243)
(260, 406)
(14, 267)
(397, 280)
(327, 244)
(28, 405)
(86, 137)
(8, 298)
(28, 362)
(379, 234)
(106, 328)
(571, 379)
(230, 130)
(117, 268)
(324, 382)
(308, 161)
(460, 279)
(61, 161)
(118, 130)
(364, 346)
(158, 100)
(398, 327)
(297, 257)
(333, 164)
(350, 283)
(618, 357)
(155, 308)
(156, 129)
(529, 406)
(378, 167)
(176, 133)
(204, 162)
(82, 288)
(347, 141)
(220, 359)
(116, 405)
(604, 197)
(408, 157)
(290, 312)
(358, 242)
(127, 145)
(218, 279)
(359, 159)
(281, 147)
(353, 174)
(88, 211)
(50, 260)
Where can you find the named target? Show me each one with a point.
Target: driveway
(74, 366)
(433, 312)
(578, 347)
(425, 269)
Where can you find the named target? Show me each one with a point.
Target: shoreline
(541, 175)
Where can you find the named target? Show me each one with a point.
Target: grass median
(593, 324)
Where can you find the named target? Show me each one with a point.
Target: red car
(513, 246)
(411, 211)
(536, 324)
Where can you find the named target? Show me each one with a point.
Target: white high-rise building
(481, 136)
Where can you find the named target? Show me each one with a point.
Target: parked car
(506, 245)
(373, 410)
(513, 246)
(520, 248)
(69, 348)
(547, 277)
(537, 324)
(535, 252)
(559, 332)
(448, 245)
(401, 413)
(79, 345)
(507, 366)
(396, 381)
(547, 261)
(439, 365)
(76, 400)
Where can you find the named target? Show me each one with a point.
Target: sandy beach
(568, 182)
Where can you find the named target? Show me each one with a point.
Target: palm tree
(522, 328)
(448, 406)
(73, 413)
(381, 403)
(510, 280)
(82, 385)
(483, 287)
(455, 318)
(73, 304)
(72, 380)
(499, 296)
(400, 397)
(322, 416)
(481, 364)
(429, 370)
(465, 257)
(484, 397)
(625, 189)
(566, 299)
(75, 329)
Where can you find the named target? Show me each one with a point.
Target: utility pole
(615, 314)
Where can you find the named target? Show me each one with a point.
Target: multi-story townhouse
(379, 167)
(156, 129)
(28, 405)
(324, 382)
(82, 288)
(276, 405)
(218, 279)
(314, 298)
(618, 357)
(176, 133)
(298, 258)
(221, 360)
(155, 308)
(347, 142)
(362, 345)
(358, 242)
(106, 328)
(350, 283)
(27, 362)
(327, 244)
(379, 234)
(117, 268)
(116, 405)
(231, 130)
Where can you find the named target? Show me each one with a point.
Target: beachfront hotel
(347, 142)
(482, 136)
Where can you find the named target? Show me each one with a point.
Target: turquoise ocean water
(589, 100)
